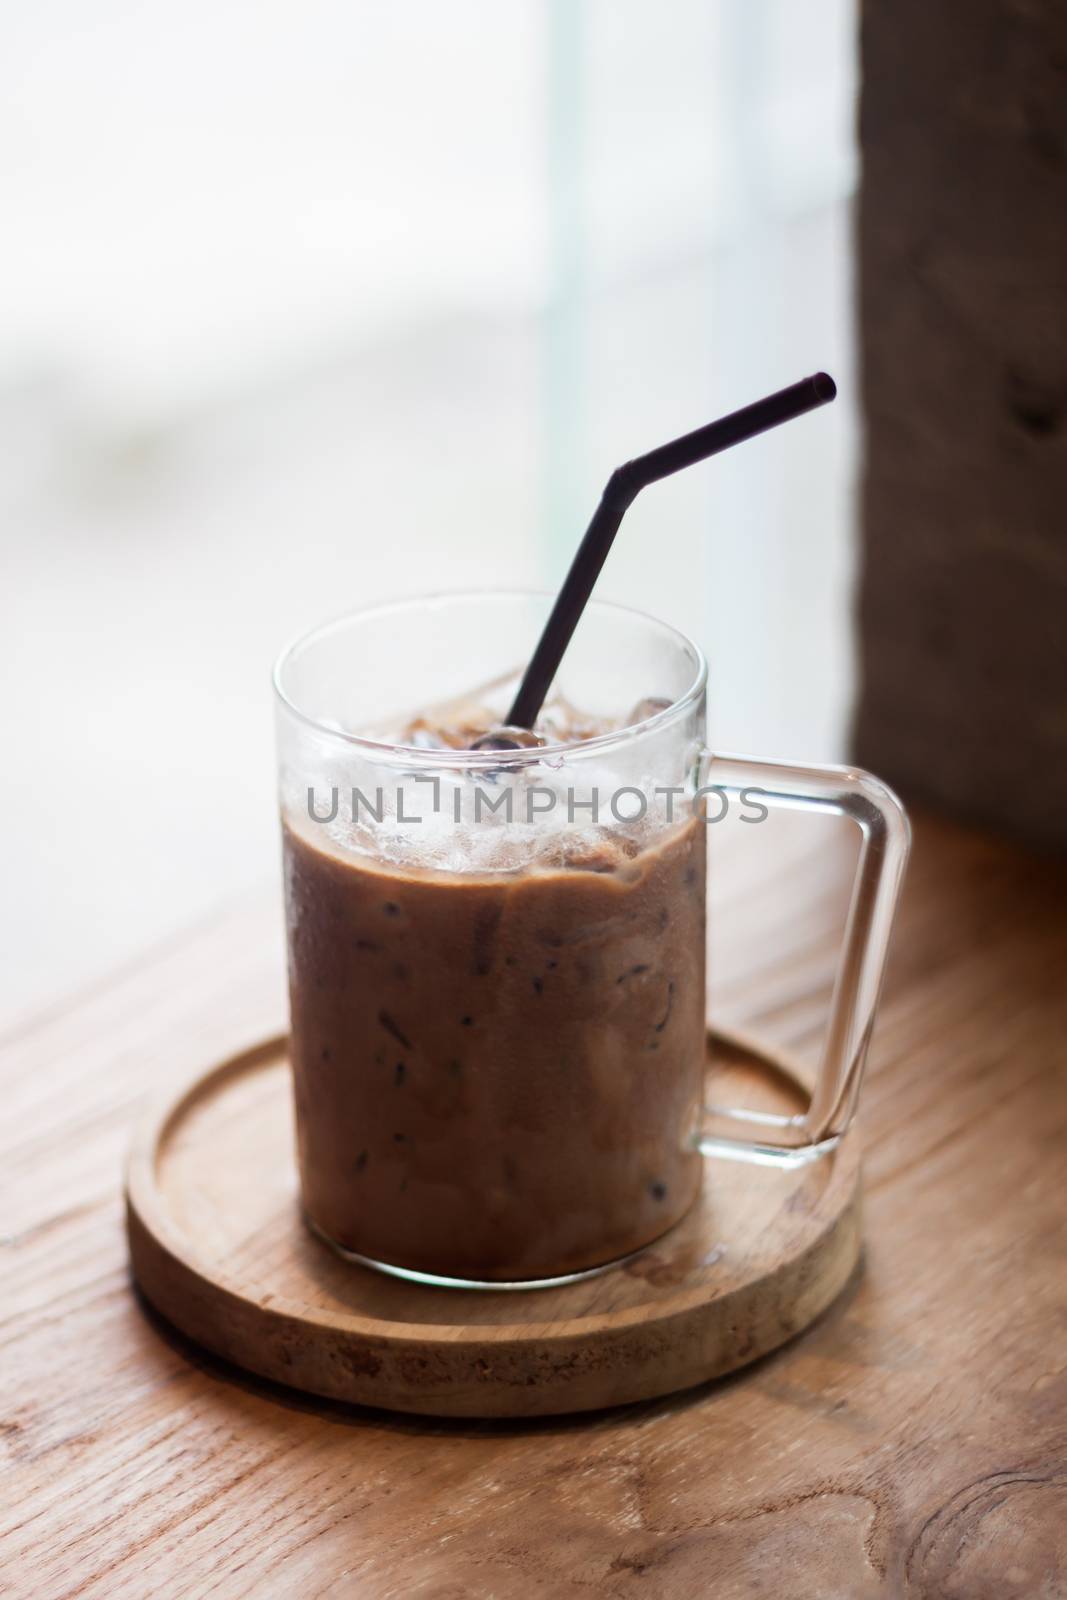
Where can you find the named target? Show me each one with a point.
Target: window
(309, 305)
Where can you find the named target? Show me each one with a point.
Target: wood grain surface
(219, 1248)
(912, 1443)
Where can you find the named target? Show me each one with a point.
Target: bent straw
(622, 489)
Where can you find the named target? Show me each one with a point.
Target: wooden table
(914, 1442)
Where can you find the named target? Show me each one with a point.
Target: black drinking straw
(622, 489)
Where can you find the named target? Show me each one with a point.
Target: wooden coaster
(219, 1247)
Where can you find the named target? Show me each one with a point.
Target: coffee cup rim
(478, 759)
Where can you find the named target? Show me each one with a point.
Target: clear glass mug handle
(884, 842)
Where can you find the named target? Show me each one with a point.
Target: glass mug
(496, 960)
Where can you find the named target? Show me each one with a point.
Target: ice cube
(650, 706)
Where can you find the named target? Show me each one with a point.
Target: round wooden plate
(219, 1248)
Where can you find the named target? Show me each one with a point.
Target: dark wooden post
(963, 305)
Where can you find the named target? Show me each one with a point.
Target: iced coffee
(498, 1013)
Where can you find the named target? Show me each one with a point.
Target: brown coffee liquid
(496, 1076)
